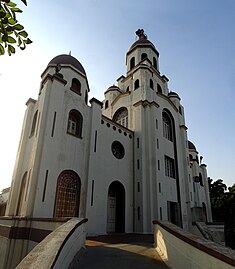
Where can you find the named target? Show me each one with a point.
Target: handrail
(57, 248)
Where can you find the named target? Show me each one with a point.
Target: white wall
(181, 250)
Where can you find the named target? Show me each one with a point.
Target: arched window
(106, 104)
(67, 195)
(154, 62)
(144, 56)
(132, 62)
(76, 86)
(33, 127)
(137, 84)
(167, 126)
(75, 121)
(121, 116)
(159, 88)
(151, 84)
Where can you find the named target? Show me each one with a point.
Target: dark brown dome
(142, 42)
(191, 145)
(112, 88)
(69, 60)
(173, 94)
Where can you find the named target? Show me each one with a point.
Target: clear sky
(196, 41)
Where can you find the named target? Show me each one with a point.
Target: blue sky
(196, 41)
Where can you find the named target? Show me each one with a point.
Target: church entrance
(116, 208)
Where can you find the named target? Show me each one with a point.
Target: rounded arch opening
(121, 116)
(144, 56)
(116, 208)
(132, 62)
(168, 125)
(67, 198)
(76, 86)
(75, 121)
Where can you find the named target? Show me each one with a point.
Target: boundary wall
(59, 248)
(182, 250)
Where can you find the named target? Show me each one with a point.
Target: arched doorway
(116, 208)
(67, 195)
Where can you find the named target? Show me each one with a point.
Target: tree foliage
(223, 208)
(11, 32)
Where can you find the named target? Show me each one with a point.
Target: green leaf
(4, 20)
(23, 33)
(9, 29)
(19, 41)
(2, 14)
(18, 27)
(28, 41)
(12, 21)
(11, 4)
(16, 9)
(11, 40)
(2, 50)
(10, 50)
(23, 46)
(5, 37)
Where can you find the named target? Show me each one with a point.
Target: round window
(118, 150)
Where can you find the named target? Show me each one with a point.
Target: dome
(173, 94)
(142, 41)
(69, 60)
(113, 88)
(191, 145)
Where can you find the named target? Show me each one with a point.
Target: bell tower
(140, 51)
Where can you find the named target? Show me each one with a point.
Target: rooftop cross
(140, 33)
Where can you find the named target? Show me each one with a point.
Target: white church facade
(121, 163)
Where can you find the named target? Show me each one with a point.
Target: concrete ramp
(120, 251)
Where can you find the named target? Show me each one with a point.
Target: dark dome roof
(191, 145)
(173, 94)
(142, 42)
(67, 59)
(113, 88)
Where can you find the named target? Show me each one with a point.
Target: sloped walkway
(120, 251)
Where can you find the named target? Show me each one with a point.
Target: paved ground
(120, 251)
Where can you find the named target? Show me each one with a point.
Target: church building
(121, 162)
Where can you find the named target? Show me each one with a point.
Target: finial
(140, 33)
(70, 52)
